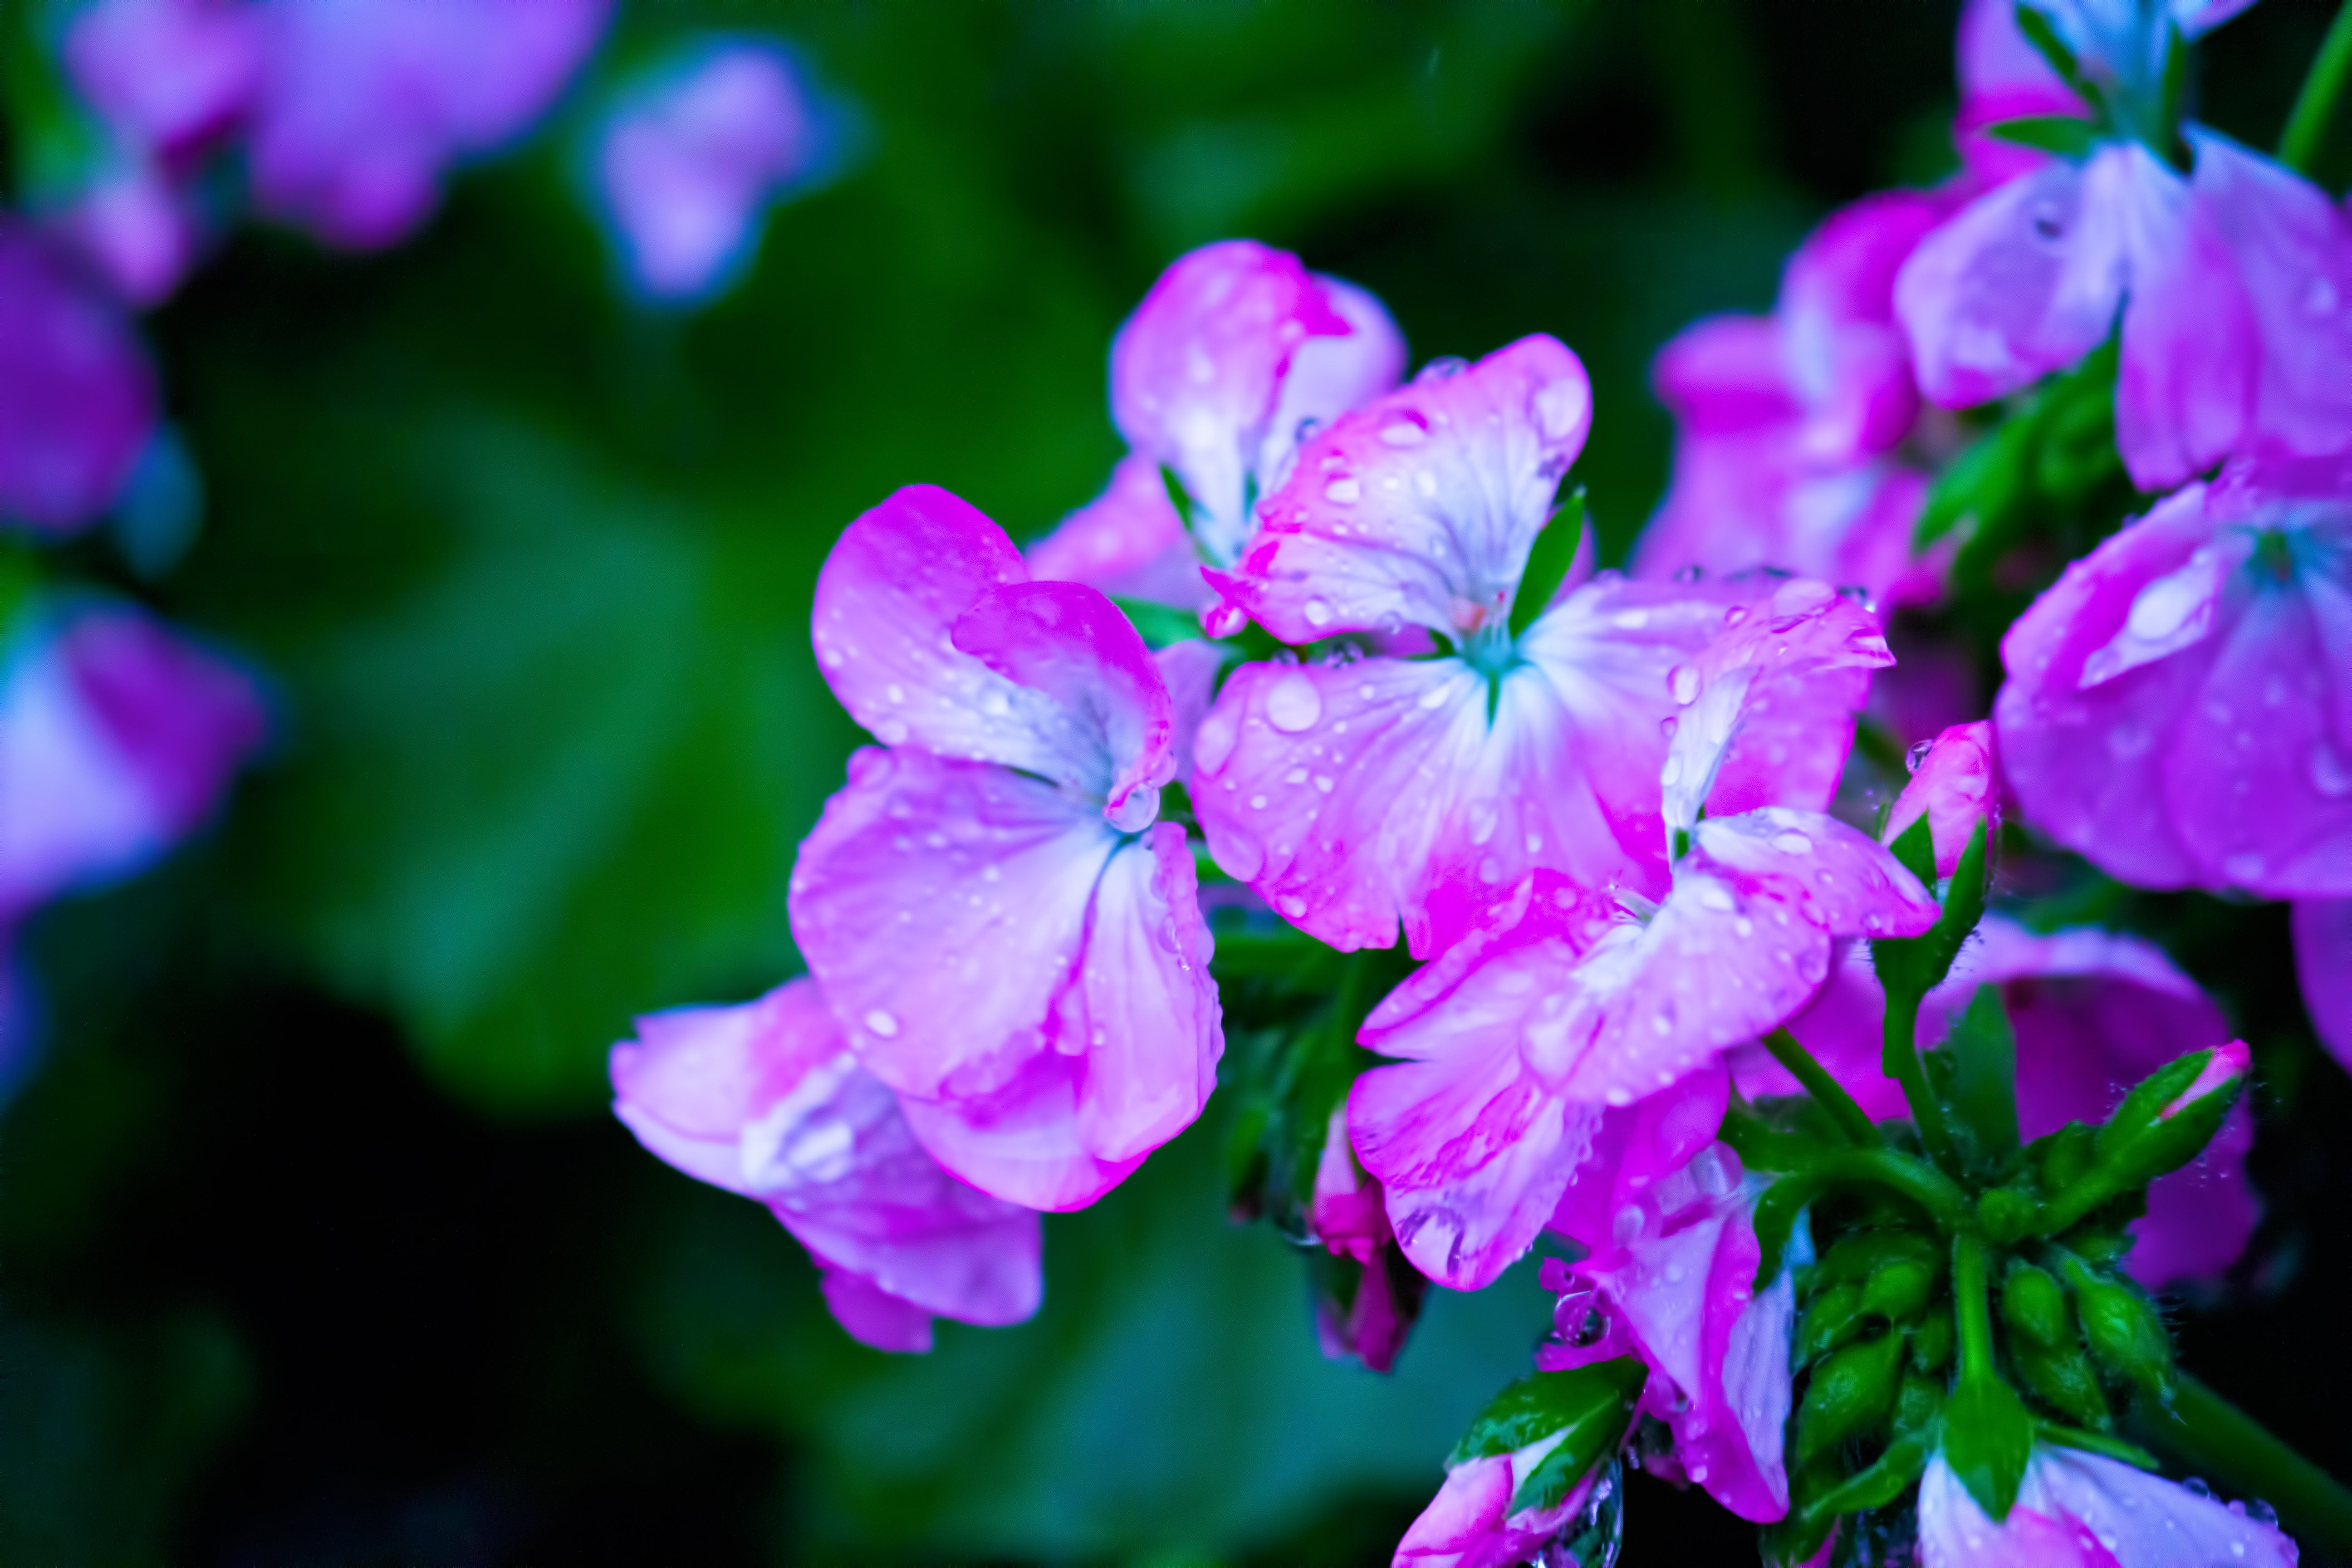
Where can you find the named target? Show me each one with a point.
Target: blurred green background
(320, 1245)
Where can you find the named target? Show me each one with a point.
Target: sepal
(1912, 966)
(1589, 1406)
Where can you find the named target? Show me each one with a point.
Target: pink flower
(2002, 77)
(2178, 706)
(2323, 962)
(1010, 939)
(117, 740)
(77, 396)
(767, 1100)
(689, 163)
(1470, 1523)
(167, 75)
(1236, 352)
(2095, 1012)
(1788, 424)
(364, 103)
(1564, 1001)
(1669, 1274)
(2228, 286)
(1346, 1216)
(2079, 1510)
(136, 227)
(1954, 786)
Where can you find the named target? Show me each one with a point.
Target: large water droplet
(2330, 775)
(882, 1024)
(1343, 491)
(1404, 431)
(1684, 683)
(1293, 704)
(2164, 606)
(1791, 842)
(1317, 613)
(1916, 755)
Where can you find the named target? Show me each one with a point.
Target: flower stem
(1899, 1057)
(2299, 146)
(1830, 1094)
(1973, 1307)
(2209, 1435)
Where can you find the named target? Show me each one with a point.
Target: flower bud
(1831, 1319)
(1899, 1290)
(2122, 1330)
(2169, 1118)
(2065, 1378)
(1850, 1393)
(1932, 1342)
(1954, 786)
(2032, 1304)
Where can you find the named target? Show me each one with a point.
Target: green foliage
(1982, 1089)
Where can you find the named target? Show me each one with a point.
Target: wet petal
(2323, 962)
(2192, 355)
(1126, 542)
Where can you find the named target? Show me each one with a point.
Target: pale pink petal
(2323, 962)
(1190, 669)
(2085, 740)
(1765, 713)
(1634, 1149)
(1844, 272)
(2002, 77)
(1725, 375)
(1196, 372)
(1420, 508)
(1471, 1504)
(1841, 1028)
(2144, 1520)
(1954, 1532)
(1955, 786)
(1067, 641)
(2025, 280)
(1832, 875)
(943, 905)
(696, 1076)
(1021, 1142)
(1330, 374)
(2192, 356)
(2291, 249)
(1126, 542)
(874, 1316)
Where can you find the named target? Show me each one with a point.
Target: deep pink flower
(1954, 786)
(2230, 287)
(690, 161)
(1009, 937)
(2323, 962)
(2002, 77)
(2178, 706)
(364, 103)
(1356, 794)
(1347, 1217)
(77, 396)
(117, 739)
(1788, 424)
(2095, 1012)
(1669, 1274)
(2079, 1510)
(767, 1100)
(1236, 352)
(1469, 1523)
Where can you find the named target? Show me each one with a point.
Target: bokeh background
(320, 1245)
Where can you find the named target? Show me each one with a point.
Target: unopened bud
(1831, 1319)
(2122, 1330)
(1899, 1290)
(2065, 1379)
(2167, 1120)
(2032, 1304)
(1850, 1393)
(1955, 786)
(1932, 1342)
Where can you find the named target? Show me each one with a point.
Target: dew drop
(882, 1024)
(1916, 755)
(1408, 431)
(1343, 491)
(1317, 613)
(1791, 842)
(1684, 684)
(1293, 704)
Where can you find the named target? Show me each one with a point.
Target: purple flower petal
(77, 397)
(2083, 1509)
(1126, 542)
(2323, 962)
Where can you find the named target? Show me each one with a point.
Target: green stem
(1899, 1057)
(1851, 1120)
(1971, 1299)
(2299, 146)
(2213, 1437)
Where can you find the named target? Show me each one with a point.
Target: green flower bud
(1848, 1394)
(1862, 1253)
(1900, 1291)
(1829, 1322)
(2034, 1306)
(2060, 1158)
(2065, 1378)
(1918, 1403)
(2122, 1330)
(1932, 1342)
(2007, 1214)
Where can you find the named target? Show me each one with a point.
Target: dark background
(319, 1245)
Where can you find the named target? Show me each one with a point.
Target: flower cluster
(1551, 904)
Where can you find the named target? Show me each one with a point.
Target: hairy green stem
(1899, 1057)
(1972, 1304)
(2213, 1437)
(1851, 1120)
(2307, 125)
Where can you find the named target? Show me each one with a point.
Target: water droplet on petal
(1791, 842)
(1317, 612)
(1293, 704)
(1343, 491)
(1916, 755)
(1684, 683)
(882, 1024)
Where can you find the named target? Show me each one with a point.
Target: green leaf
(1984, 1073)
(1912, 966)
(2043, 36)
(1583, 1401)
(1987, 1441)
(2060, 133)
(1161, 625)
(1548, 562)
(1180, 497)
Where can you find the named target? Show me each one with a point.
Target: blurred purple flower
(1010, 937)
(364, 103)
(2081, 1510)
(767, 1100)
(1788, 425)
(688, 162)
(2178, 706)
(77, 395)
(1956, 785)
(168, 75)
(117, 739)
(2323, 962)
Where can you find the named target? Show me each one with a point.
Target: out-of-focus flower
(168, 75)
(1009, 936)
(2002, 77)
(1348, 1218)
(76, 396)
(364, 103)
(1235, 353)
(1356, 794)
(2323, 962)
(688, 162)
(2178, 706)
(117, 739)
(1564, 1001)
(2092, 1010)
(1956, 786)
(1788, 424)
(135, 227)
(1669, 1274)
(20, 1023)
(767, 1100)
(2079, 1510)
